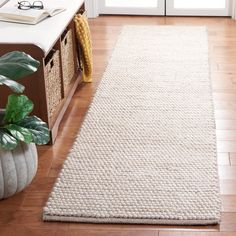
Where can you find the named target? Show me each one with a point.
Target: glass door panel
(132, 7)
(199, 4)
(132, 3)
(198, 7)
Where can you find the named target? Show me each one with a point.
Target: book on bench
(3, 2)
(32, 16)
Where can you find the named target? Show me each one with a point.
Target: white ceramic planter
(17, 168)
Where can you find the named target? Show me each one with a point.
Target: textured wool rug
(146, 152)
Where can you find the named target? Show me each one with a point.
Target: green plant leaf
(7, 142)
(20, 133)
(16, 65)
(38, 129)
(13, 85)
(18, 107)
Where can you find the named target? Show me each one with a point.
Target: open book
(3, 2)
(32, 16)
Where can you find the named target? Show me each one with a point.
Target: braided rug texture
(146, 152)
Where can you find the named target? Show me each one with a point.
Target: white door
(132, 7)
(168, 7)
(198, 7)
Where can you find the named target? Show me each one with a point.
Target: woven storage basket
(67, 58)
(53, 82)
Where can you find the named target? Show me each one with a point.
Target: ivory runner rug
(146, 152)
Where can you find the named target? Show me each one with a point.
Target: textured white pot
(17, 168)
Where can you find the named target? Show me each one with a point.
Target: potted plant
(19, 132)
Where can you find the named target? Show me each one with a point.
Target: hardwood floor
(22, 214)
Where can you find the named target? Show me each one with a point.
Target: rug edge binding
(128, 221)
